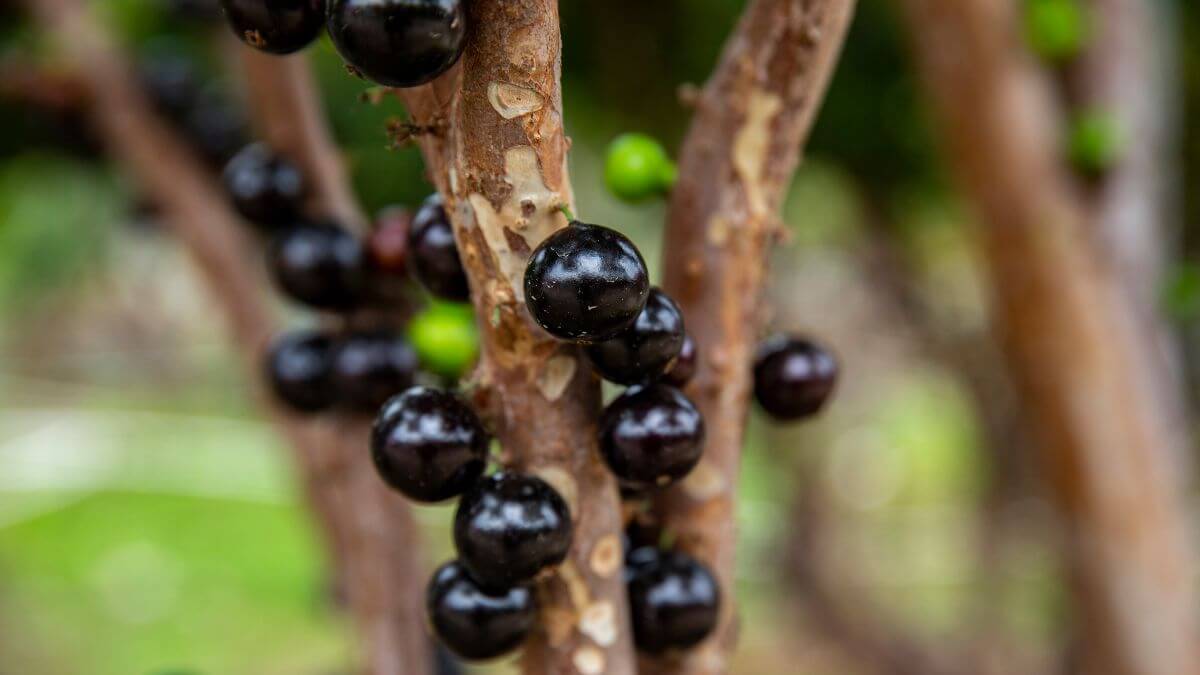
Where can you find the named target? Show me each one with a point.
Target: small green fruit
(446, 338)
(637, 168)
(1056, 29)
(1095, 142)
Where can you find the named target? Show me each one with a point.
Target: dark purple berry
(433, 253)
(320, 265)
(586, 283)
(509, 527)
(275, 26)
(370, 367)
(793, 377)
(265, 188)
(429, 445)
(398, 43)
(298, 370)
(216, 128)
(170, 80)
(674, 601)
(645, 350)
(473, 623)
(684, 369)
(651, 435)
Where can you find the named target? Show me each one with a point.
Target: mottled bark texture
(501, 163)
(1072, 340)
(751, 122)
(370, 528)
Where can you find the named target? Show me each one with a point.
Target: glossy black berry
(398, 43)
(433, 253)
(645, 350)
(265, 188)
(473, 623)
(793, 377)
(320, 265)
(275, 26)
(651, 435)
(216, 128)
(429, 445)
(298, 367)
(508, 527)
(370, 367)
(684, 369)
(586, 283)
(674, 601)
(170, 80)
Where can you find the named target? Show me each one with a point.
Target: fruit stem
(566, 211)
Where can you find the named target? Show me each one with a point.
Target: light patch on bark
(599, 622)
(511, 101)
(606, 556)
(752, 145)
(588, 661)
(529, 212)
(577, 588)
(563, 484)
(704, 482)
(556, 375)
(718, 230)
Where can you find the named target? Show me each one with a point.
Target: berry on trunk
(793, 377)
(265, 188)
(674, 601)
(472, 623)
(651, 435)
(645, 350)
(433, 253)
(509, 527)
(398, 43)
(320, 265)
(429, 445)
(446, 338)
(369, 367)
(298, 370)
(586, 283)
(684, 369)
(275, 26)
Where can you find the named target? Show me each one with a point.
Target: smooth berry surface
(446, 338)
(684, 369)
(170, 80)
(429, 445)
(645, 350)
(369, 367)
(265, 188)
(298, 370)
(586, 283)
(433, 253)
(509, 527)
(216, 128)
(473, 623)
(674, 601)
(637, 168)
(651, 435)
(320, 265)
(398, 43)
(275, 26)
(793, 377)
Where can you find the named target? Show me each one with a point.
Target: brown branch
(1071, 340)
(369, 525)
(752, 119)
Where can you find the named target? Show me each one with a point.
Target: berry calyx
(298, 370)
(645, 350)
(651, 435)
(684, 369)
(793, 377)
(265, 188)
(674, 601)
(433, 253)
(509, 527)
(429, 445)
(275, 26)
(637, 168)
(473, 623)
(369, 367)
(586, 283)
(321, 265)
(398, 43)
(446, 338)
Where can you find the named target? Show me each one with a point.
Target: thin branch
(1071, 339)
(752, 119)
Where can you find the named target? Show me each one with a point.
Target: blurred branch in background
(1084, 367)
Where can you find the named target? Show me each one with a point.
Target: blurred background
(151, 522)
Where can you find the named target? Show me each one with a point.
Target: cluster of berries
(396, 43)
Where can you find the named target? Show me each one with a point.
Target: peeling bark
(752, 119)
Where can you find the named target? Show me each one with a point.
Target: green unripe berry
(446, 338)
(637, 168)
(1095, 142)
(1056, 29)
